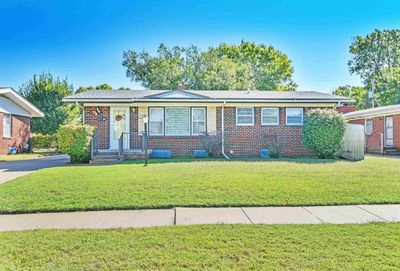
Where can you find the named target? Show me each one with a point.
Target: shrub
(274, 145)
(212, 143)
(40, 142)
(323, 132)
(75, 140)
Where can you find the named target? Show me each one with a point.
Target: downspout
(223, 132)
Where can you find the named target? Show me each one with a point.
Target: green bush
(40, 142)
(75, 140)
(323, 132)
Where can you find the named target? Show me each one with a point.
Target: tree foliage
(104, 86)
(271, 69)
(374, 52)
(359, 94)
(75, 140)
(46, 93)
(244, 66)
(323, 132)
(387, 87)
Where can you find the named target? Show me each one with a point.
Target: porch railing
(132, 140)
(121, 146)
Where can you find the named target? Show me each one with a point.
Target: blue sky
(84, 40)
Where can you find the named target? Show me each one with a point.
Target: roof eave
(22, 102)
(288, 100)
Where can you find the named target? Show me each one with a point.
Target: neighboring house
(247, 120)
(381, 126)
(15, 118)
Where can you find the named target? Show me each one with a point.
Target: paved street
(13, 169)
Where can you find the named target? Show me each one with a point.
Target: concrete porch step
(391, 151)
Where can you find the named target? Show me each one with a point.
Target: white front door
(388, 131)
(119, 123)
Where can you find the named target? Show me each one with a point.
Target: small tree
(323, 132)
(75, 140)
(212, 143)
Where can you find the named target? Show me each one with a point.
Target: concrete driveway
(14, 169)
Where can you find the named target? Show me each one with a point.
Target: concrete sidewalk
(189, 216)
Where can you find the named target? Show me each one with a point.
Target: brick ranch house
(15, 118)
(381, 126)
(247, 120)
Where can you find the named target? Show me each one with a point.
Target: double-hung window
(368, 126)
(6, 125)
(294, 116)
(198, 121)
(156, 121)
(244, 116)
(177, 120)
(269, 116)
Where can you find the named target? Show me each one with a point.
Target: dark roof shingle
(131, 95)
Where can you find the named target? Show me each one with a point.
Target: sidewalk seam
(174, 216)
(372, 213)
(246, 215)
(317, 217)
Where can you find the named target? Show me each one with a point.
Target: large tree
(104, 86)
(359, 94)
(46, 93)
(271, 69)
(244, 66)
(374, 52)
(387, 87)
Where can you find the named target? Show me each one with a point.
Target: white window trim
(10, 126)
(204, 120)
(365, 127)
(262, 115)
(302, 116)
(163, 121)
(245, 124)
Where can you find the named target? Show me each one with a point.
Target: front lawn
(206, 247)
(212, 183)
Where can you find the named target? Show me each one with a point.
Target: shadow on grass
(190, 160)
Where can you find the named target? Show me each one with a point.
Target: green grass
(206, 247)
(211, 183)
(22, 156)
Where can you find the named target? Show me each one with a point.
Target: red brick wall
(102, 122)
(179, 145)
(358, 121)
(373, 141)
(247, 141)
(244, 141)
(396, 130)
(346, 108)
(135, 138)
(19, 135)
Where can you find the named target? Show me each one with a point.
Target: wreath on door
(118, 117)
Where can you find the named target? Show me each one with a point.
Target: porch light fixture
(145, 120)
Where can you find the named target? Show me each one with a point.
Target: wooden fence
(353, 147)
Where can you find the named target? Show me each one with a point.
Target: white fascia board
(21, 101)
